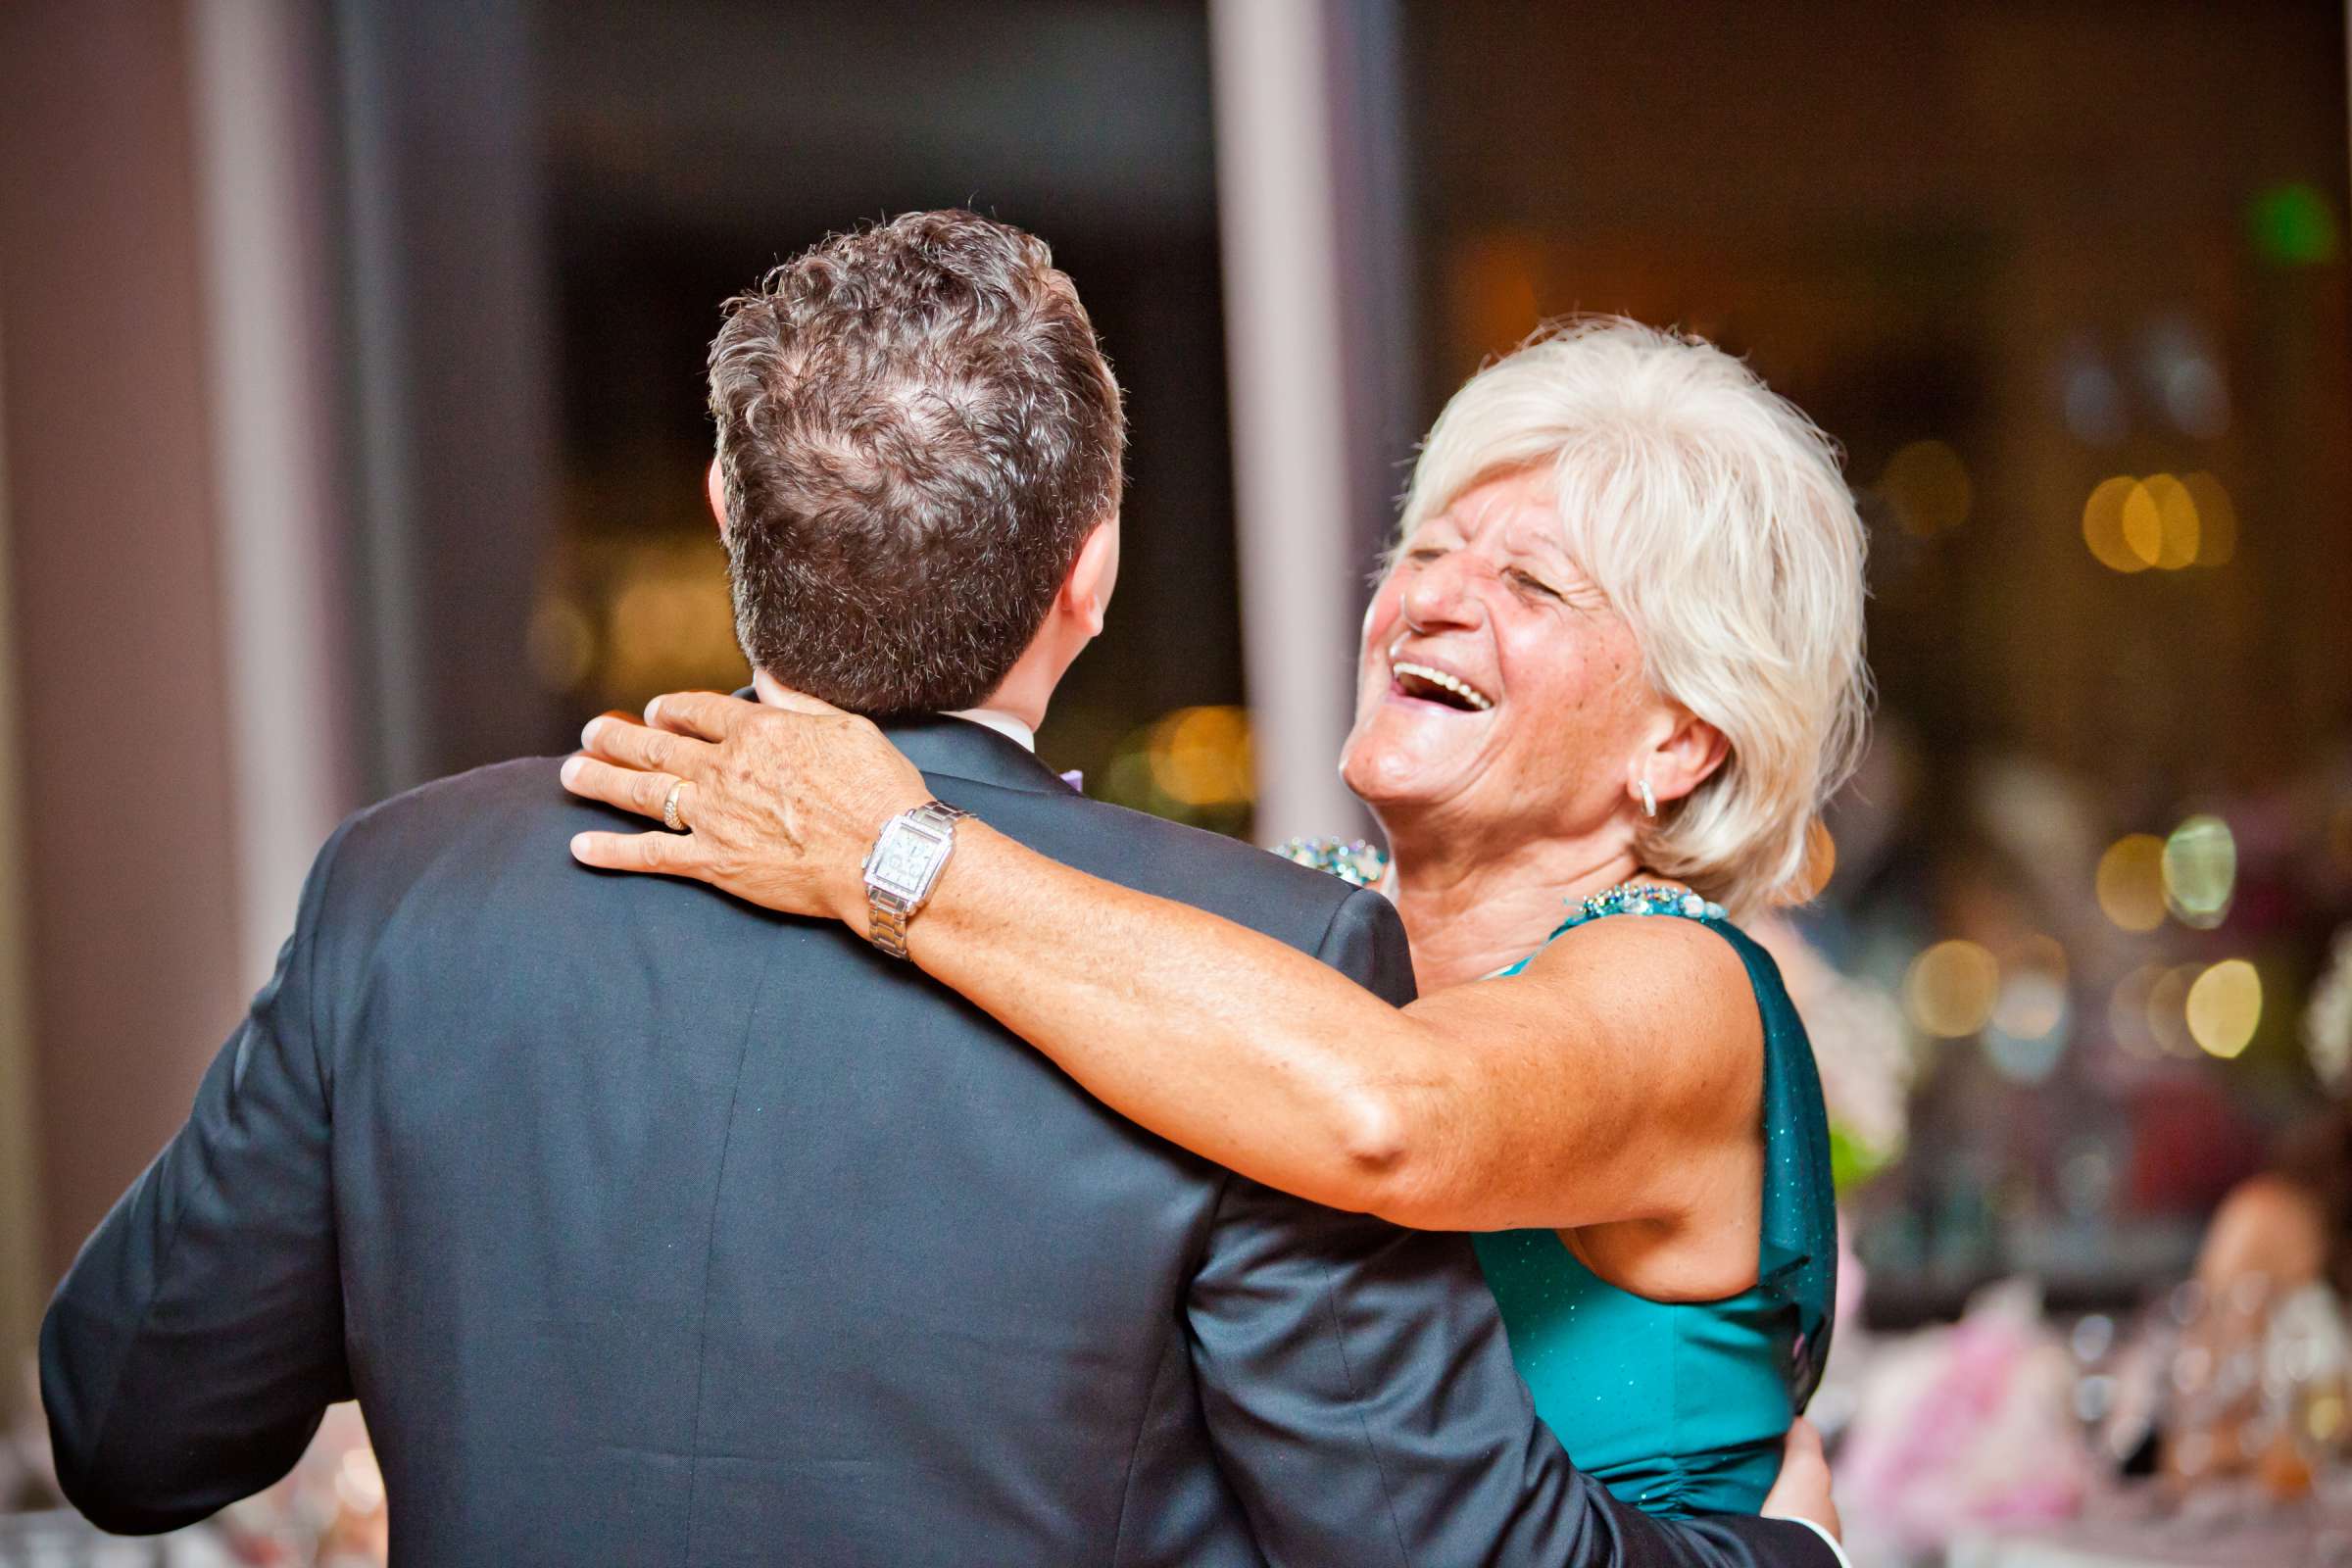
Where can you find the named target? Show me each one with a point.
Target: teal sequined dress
(1677, 1408)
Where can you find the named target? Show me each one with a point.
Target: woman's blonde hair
(1712, 512)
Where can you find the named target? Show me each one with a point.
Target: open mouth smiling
(1428, 684)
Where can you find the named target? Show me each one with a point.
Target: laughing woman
(1608, 679)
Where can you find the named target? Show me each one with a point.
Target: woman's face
(1497, 688)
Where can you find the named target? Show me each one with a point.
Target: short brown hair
(916, 433)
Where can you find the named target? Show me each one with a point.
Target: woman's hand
(780, 801)
(1802, 1491)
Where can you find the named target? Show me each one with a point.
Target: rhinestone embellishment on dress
(1647, 897)
(1353, 861)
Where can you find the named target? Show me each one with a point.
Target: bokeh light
(2185, 377)
(1927, 484)
(2028, 1030)
(2224, 1007)
(2143, 523)
(2162, 521)
(2089, 394)
(2176, 521)
(2217, 519)
(562, 643)
(2026, 1060)
(2103, 525)
(2033, 999)
(2128, 1011)
(1201, 755)
(2167, 1010)
(1191, 764)
(2293, 223)
(2200, 872)
(2131, 882)
(1951, 989)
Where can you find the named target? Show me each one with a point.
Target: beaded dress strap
(1642, 897)
(1352, 860)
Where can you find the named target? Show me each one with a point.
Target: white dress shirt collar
(1003, 723)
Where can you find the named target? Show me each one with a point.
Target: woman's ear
(1687, 756)
(714, 486)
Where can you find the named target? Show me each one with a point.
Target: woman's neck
(1470, 915)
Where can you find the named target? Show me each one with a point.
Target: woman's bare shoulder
(1666, 981)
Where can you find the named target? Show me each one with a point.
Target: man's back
(668, 1220)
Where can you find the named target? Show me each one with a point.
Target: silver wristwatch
(903, 868)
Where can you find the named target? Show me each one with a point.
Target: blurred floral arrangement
(1862, 1046)
(1966, 1426)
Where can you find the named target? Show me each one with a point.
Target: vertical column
(1278, 204)
(266, 223)
(120, 736)
(22, 1269)
(1319, 348)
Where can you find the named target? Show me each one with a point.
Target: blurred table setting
(2207, 1430)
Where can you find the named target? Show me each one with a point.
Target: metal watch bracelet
(896, 890)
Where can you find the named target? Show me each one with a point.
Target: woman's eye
(1536, 585)
(1423, 554)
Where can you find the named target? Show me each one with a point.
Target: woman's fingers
(670, 854)
(593, 779)
(773, 692)
(706, 715)
(634, 745)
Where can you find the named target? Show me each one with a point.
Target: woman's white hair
(1712, 513)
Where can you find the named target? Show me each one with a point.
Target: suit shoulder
(1225, 876)
(480, 819)
(521, 786)
(1233, 857)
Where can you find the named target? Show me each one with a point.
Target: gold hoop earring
(1650, 800)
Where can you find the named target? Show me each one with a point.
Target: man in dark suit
(649, 1228)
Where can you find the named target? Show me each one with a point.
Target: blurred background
(351, 434)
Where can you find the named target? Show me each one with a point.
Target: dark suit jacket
(650, 1228)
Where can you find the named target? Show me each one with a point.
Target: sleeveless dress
(1678, 1408)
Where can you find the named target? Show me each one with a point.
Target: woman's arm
(1607, 1083)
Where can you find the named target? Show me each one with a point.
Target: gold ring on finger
(669, 809)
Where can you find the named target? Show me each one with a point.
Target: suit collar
(958, 748)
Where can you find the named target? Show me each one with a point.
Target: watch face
(903, 861)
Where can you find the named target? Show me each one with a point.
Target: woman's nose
(1438, 595)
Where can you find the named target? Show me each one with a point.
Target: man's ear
(714, 486)
(1093, 575)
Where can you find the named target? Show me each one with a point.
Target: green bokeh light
(2293, 224)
